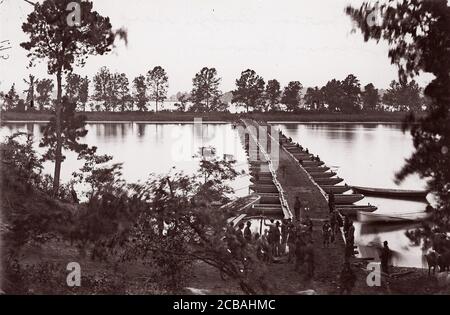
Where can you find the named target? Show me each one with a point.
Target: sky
(288, 40)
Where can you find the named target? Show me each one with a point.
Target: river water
(151, 148)
(368, 155)
(362, 154)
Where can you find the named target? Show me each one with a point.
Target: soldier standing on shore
(385, 256)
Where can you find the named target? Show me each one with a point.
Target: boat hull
(352, 210)
(269, 198)
(335, 189)
(322, 175)
(317, 169)
(328, 181)
(392, 218)
(264, 188)
(392, 193)
(344, 199)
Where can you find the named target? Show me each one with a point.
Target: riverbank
(305, 116)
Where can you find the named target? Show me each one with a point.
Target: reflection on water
(151, 148)
(368, 155)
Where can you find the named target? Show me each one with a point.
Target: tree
(333, 94)
(83, 93)
(140, 93)
(11, 99)
(30, 91)
(314, 98)
(370, 97)
(123, 91)
(157, 81)
(249, 90)
(104, 89)
(418, 34)
(292, 96)
(73, 128)
(205, 94)
(72, 87)
(52, 38)
(403, 96)
(352, 94)
(44, 88)
(272, 95)
(183, 99)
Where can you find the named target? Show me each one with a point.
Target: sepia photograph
(224, 148)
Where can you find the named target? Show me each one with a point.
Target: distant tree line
(113, 92)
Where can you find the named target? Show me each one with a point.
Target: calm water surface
(151, 148)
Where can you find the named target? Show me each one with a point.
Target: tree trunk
(156, 98)
(58, 153)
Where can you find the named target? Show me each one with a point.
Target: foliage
(157, 81)
(370, 97)
(18, 152)
(183, 99)
(104, 89)
(314, 98)
(292, 96)
(11, 99)
(73, 128)
(272, 95)
(101, 177)
(52, 38)
(403, 96)
(205, 94)
(44, 88)
(249, 90)
(343, 96)
(418, 34)
(72, 86)
(123, 91)
(140, 93)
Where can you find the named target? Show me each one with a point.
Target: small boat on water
(352, 210)
(392, 217)
(335, 189)
(302, 156)
(385, 192)
(309, 163)
(270, 198)
(328, 181)
(317, 169)
(322, 175)
(264, 188)
(347, 199)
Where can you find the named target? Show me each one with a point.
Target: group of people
(290, 239)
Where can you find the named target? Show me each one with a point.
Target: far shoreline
(219, 118)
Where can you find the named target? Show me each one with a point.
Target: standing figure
(248, 232)
(297, 207)
(285, 227)
(326, 234)
(385, 256)
(331, 202)
(309, 259)
(347, 279)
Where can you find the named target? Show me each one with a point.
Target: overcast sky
(305, 40)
